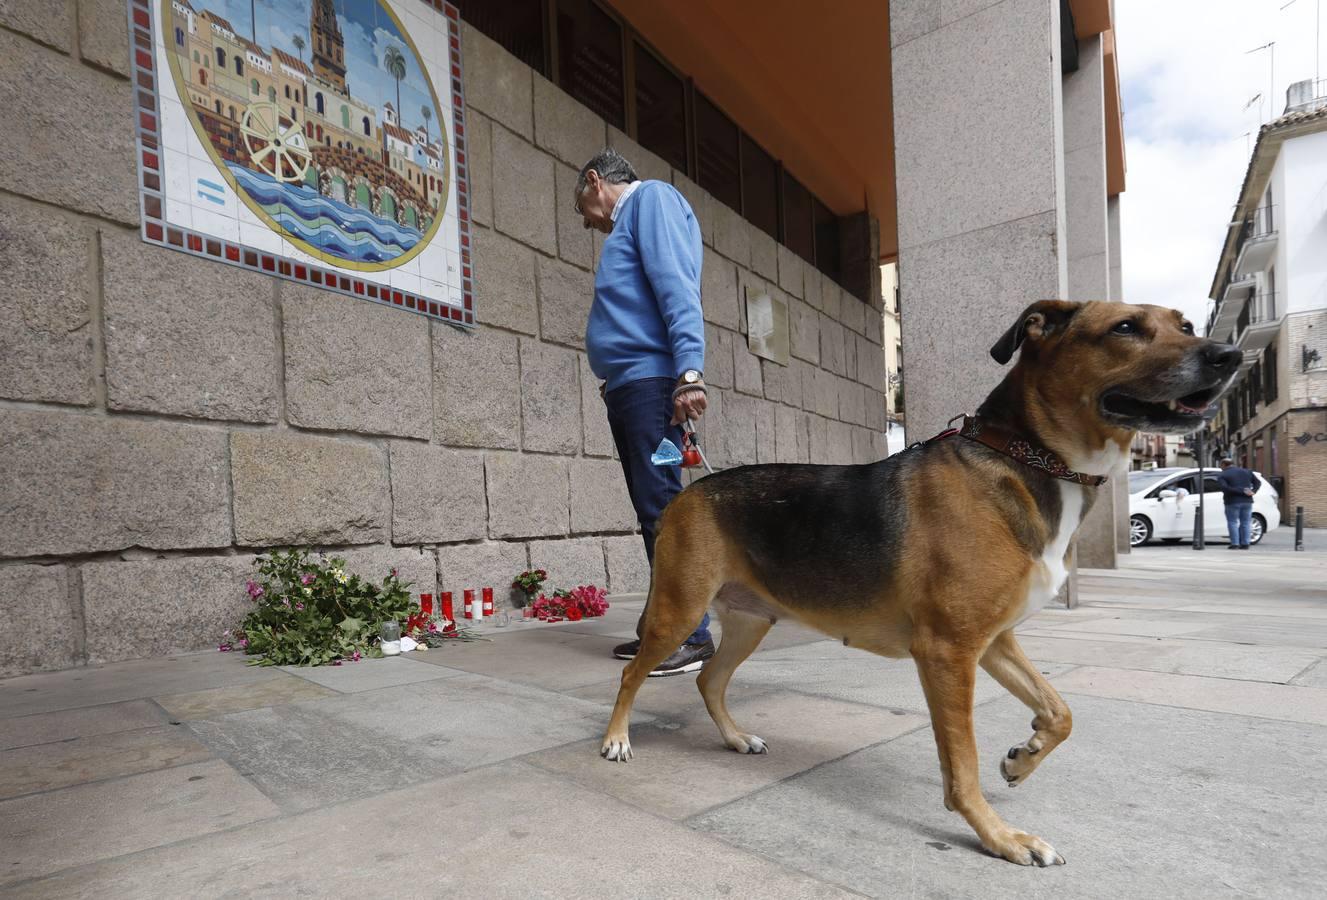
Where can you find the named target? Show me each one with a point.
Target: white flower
(308, 592)
(339, 575)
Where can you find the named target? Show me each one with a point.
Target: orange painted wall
(810, 82)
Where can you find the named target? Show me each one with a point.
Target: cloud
(1186, 77)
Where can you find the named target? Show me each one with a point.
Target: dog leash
(1016, 448)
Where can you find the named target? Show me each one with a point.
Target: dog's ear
(1037, 321)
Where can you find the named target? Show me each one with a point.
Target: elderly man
(646, 339)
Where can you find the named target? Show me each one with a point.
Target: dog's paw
(1025, 849)
(616, 750)
(1019, 763)
(748, 743)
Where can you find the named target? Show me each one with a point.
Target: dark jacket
(1234, 481)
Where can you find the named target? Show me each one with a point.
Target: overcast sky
(1186, 77)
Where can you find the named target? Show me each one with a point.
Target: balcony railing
(1260, 223)
(1254, 247)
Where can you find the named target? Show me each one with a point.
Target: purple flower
(393, 573)
(244, 643)
(224, 648)
(356, 656)
(299, 606)
(255, 590)
(306, 578)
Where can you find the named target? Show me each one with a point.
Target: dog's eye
(1187, 328)
(1126, 327)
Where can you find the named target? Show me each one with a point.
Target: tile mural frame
(155, 229)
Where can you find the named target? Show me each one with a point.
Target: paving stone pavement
(1198, 681)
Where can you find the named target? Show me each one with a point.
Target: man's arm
(672, 264)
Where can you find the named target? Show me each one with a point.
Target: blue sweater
(645, 321)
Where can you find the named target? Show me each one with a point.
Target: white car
(1164, 502)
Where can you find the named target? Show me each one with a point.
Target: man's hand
(688, 404)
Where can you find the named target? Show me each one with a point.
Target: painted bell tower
(329, 54)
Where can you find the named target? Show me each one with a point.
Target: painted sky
(1194, 98)
(368, 32)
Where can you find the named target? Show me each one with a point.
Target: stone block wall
(165, 419)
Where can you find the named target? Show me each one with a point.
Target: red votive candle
(445, 598)
(488, 601)
(426, 604)
(469, 603)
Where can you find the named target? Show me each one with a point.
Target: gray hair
(611, 166)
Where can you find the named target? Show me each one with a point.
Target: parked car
(1164, 502)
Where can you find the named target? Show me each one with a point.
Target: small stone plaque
(767, 327)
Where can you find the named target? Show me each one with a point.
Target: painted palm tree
(394, 63)
(427, 114)
(298, 41)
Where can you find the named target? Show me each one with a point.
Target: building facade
(164, 419)
(1270, 293)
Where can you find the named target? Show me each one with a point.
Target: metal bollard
(1198, 538)
(1299, 528)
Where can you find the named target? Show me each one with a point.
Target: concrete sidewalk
(1197, 766)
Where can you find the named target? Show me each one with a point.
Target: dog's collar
(1017, 448)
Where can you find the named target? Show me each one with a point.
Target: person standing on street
(1238, 485)
(645, 338)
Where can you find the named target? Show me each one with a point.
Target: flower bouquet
(583, 601)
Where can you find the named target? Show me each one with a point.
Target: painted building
(167, 417)
(1270, 294)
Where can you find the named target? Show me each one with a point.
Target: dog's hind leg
(1006, 662)
(948, 674)
(742, 633)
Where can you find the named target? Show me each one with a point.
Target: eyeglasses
(577, 204)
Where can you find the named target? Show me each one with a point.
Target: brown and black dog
(938, 552)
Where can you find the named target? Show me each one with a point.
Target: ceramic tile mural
(316, 140)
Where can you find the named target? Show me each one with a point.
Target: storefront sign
(1310, 437)
(308, 140)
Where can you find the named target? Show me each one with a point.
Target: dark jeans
(638, 414)
(1239, 517)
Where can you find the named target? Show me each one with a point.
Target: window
(239, 66)
(202, 77)
(345, 117)
(1186, 483)
(293, 113)
(368, 127)
(661, 114)
(318, 103)
(590, 58)
(179, 36)
(798, 223)
(218, 107)
(232, 114)
(1269, 373)
(760, 187)
(827, 239)
(1211, 485)
(253, 87)
(196, 59)
(221, 58)
(271, 94)
(287, 92)
(297, 99)
(717, 167)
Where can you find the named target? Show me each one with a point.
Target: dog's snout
(1224, 358)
